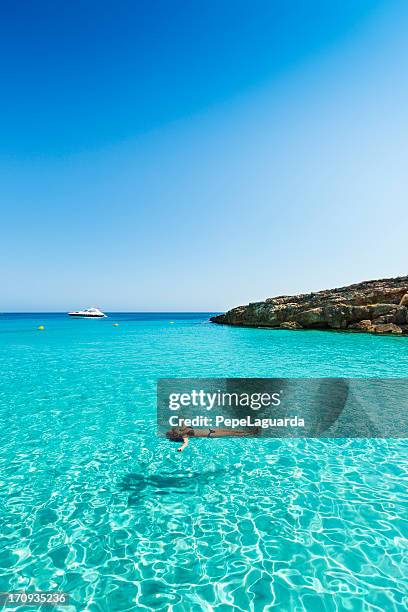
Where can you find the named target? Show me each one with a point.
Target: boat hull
(83, 316)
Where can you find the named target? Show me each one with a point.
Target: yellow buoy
(41, 327)
(115, 324)
(171, 322)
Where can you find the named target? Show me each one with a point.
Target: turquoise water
(91, 502)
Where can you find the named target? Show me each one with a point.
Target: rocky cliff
(378, 306)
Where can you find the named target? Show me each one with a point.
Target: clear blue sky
(197, 155)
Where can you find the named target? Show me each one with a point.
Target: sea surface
(93, 503)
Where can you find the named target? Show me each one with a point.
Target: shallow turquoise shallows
(93, 503)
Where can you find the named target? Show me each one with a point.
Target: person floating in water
(183, 434)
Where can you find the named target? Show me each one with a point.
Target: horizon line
(113, 311)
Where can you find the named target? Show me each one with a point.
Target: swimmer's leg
(184, 445)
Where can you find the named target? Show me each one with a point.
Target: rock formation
(378, 306)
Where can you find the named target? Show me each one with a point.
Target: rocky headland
(376, 306)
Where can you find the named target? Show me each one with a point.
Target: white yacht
(90, 313)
